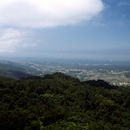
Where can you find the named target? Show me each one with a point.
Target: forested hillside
(13, 69)
(60, 102)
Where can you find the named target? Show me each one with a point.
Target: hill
(13, 69)
(60, 102)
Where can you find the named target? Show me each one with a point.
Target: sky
(73, 29)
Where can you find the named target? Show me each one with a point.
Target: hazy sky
(83, 29)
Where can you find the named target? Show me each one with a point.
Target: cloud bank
(12, 40)
(18, 14)
(9, 40)
(47, 13)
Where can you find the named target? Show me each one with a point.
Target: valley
(114, 74)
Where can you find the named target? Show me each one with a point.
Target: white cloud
(12, 40)
(9, 40)
(44, 13)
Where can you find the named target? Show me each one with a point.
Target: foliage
(59, 102)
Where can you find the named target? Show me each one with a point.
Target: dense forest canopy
(60, 102)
